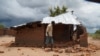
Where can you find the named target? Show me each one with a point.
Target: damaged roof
(66, 18)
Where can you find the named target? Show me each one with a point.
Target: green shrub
(96, 36)
(97, 32)
(1, 26)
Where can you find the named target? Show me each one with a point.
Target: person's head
(53, 22)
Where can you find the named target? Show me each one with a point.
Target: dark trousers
(49, 40)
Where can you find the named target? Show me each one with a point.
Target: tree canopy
(97, 31)
(57, 10)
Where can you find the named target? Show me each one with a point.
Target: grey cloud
(13, 8)
(13, 12)
(32, 3)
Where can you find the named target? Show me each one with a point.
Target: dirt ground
(5, 50)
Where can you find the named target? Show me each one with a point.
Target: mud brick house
(1, 32)
(33, 33)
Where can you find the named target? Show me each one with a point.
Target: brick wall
(33, 35)
(1, 32)
(62, 32)
(83, 37)
(10, 32)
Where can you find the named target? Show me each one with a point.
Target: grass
(95, 36)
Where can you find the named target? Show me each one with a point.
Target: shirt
(49, 30)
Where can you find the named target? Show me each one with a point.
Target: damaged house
(33, 33)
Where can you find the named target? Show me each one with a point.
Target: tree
(97, 31)
(52, 13)
(63, 9)
(57, 10)
(1, 26)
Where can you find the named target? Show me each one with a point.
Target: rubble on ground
(77, 48)
(1, 51)
(19, 49)
(55, 55)
(60, 51)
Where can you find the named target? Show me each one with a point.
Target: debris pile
(77, 48)
(1, 51)
(55, 55)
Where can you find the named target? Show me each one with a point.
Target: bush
(1, 26)
(97, 32)
(96, 36)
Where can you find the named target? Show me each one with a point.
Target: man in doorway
(74, 37)
(49, 35)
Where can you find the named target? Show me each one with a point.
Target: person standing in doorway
(74, 37)
(49, 35)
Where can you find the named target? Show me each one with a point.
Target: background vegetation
(96, 35)
(57, 11)
(1, 26)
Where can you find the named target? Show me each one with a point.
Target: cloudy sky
(14, 12)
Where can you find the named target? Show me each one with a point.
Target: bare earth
(5, 50)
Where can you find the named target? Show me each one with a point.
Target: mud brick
(60, 51)
(68, 50)
(55, 55)
(73, 51)
(18, 49)
(47, 50)
(88, 54)
(1, 51)
(83, 40)
(56, 50)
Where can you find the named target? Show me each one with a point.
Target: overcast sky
(14, 12)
